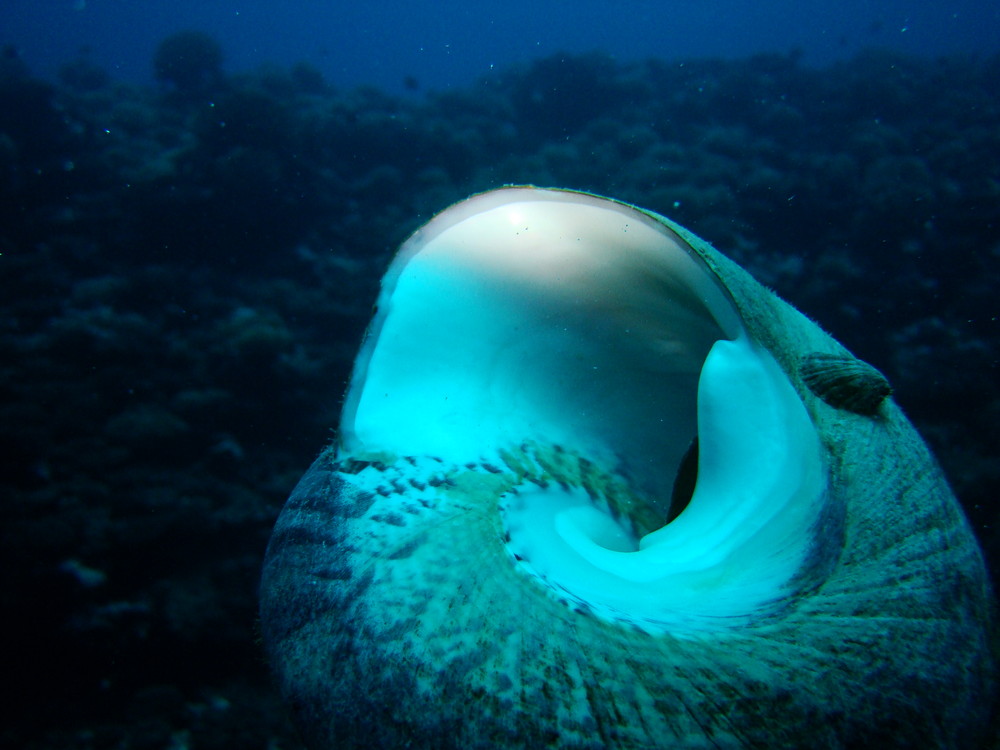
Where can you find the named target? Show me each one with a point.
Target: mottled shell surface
(394, 617)
(845, 382)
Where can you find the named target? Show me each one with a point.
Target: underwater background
(197, 202)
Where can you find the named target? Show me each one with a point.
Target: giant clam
(584, 495)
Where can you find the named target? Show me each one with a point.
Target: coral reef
(189, 60)
(188, 269)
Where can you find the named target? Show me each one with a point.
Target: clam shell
(837, 600)
(845, 382)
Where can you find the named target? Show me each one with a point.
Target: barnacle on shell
(845, 382)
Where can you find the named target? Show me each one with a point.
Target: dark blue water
(450, 42)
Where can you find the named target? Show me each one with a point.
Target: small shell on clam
(845, 382)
